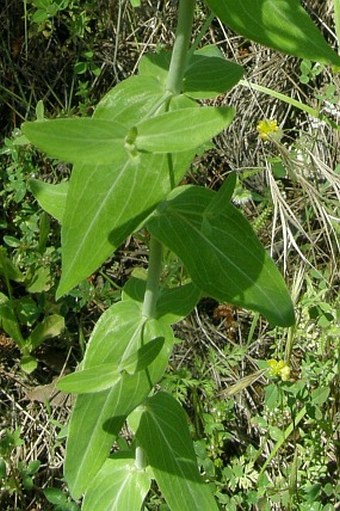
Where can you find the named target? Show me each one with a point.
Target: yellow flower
(268, 129)
(279, 368)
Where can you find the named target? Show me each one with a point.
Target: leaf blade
(118, 486)
(182, 129)
(208, 76)
(164, 435)
(94, 379)
(79, 140)
(279, 24)
(222, 254)
(98, 417)
(51, 198)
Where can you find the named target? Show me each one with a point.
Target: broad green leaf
(40, 281)
(279, 24)
(51, 198)
(222, 197)
(55, 496)
(134, 289)
(155, 65)
(9, 322)
(209, 76)
(164, 435)
(50, 327)
(173, 304)
(105, 203)
(8, 269)
(131, 101)
(119, 486)
(97, 418)
(142, 358)
(28, 364)
(221, 253)
(176, 303)
(86, 140)
(104, 376)
(183, 129)
(320, 395)
(87, 381)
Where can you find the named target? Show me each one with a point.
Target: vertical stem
(139, 458)
(152, 283)
(180, 50)
(174, 84)
(337, 21)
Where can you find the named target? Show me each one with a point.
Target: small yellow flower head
(279, 368)
(269, 130)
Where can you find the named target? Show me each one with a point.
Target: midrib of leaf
(103, 204)
(120, 491)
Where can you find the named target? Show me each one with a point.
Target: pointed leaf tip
(283, 25)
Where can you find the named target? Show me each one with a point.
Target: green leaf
(97, 418)
(40, 110)
(50, 327)
(79, 140)
(320, 395)
(273, 396)
(142, 358)
(8, 269)
(164, 435)
(135, 3)
(208, 76)
(55, 496)
(221, 253)
(9, 322)
(33, 467)
(119, 485)
(95, 379)
(104, 376)
(105, 203)
(40, 281)
(279, 24)
(182, 129)
(28, 364)
(173, 304)
(222, 198)
(3, 469)
(51, 198)
(176, 303)
(131, 101)
(155, 65)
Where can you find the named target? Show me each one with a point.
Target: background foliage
(267, 443)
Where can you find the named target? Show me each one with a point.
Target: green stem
(174, 83)
(180, 50)
(139, 458)
(337, 21)
(152, 283)
(173, 86)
